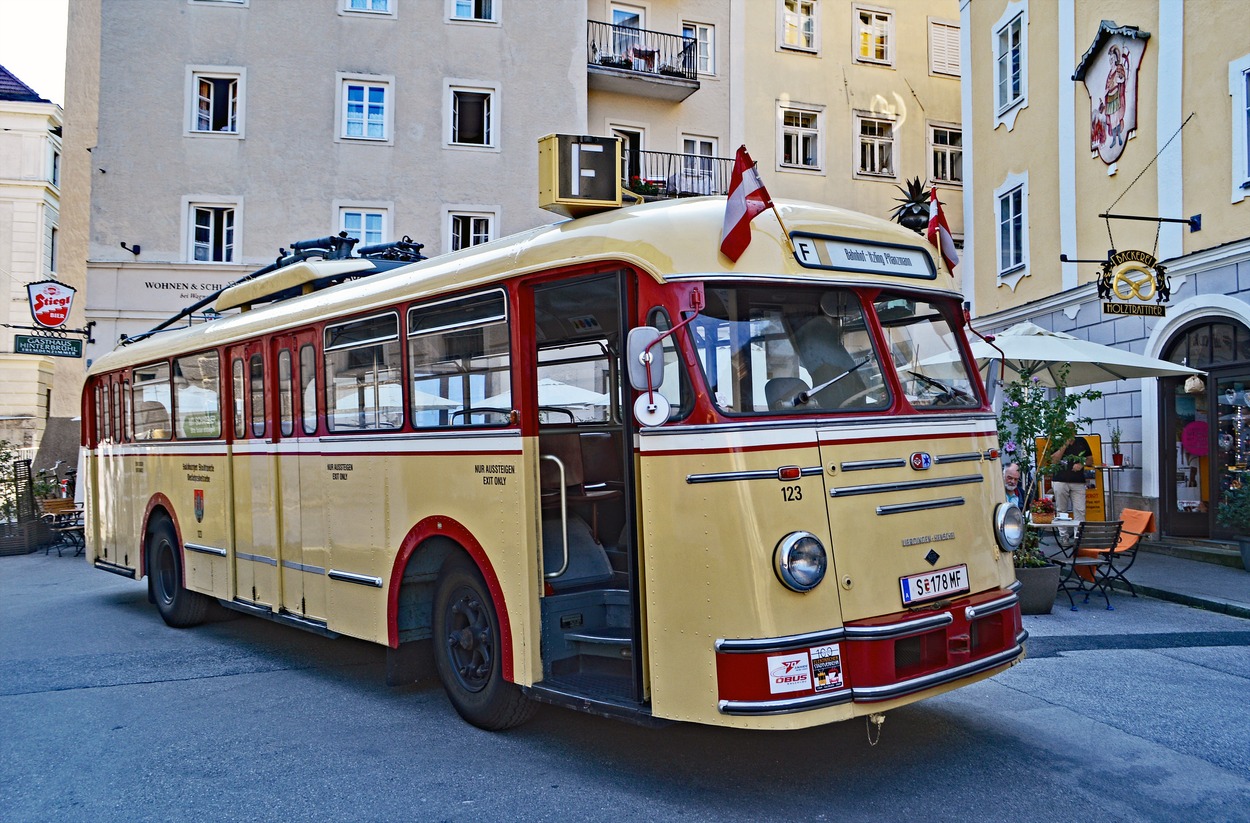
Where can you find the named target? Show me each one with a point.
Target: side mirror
(642, 363)
(993, 375)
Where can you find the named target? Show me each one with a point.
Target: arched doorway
(1205, 439)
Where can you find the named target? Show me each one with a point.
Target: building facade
(30, 252)
(396, 117)
(1080, 109)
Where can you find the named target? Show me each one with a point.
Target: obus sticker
(789, 673)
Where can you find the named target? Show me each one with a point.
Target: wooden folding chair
(1086, 568)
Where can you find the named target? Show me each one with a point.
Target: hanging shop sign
(1109, 70)
(46, 346)
(50, 302)
(1130, 280)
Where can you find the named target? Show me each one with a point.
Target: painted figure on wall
(1109, 70)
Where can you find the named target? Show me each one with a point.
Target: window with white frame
(1009, 77)
(483, 10)
(704, 37)
(875, 142)
(800, 138)
(367, 225)
(467, 229)
(365, 108)
(1239, 91)
(944, 48)
(1011, 201)
(212, 232)
(55, 172)
(698, 166)
(874, 35)
(946, 155)
(369, 6)
(472, 116)
(215, 98)
(799, 24)
(53, 238)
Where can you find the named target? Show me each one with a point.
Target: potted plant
(1117, 459)
(1042, 510)
(1038, 576)
(644, 187)
(1234, 512)
(1031, 413)
(914, 213)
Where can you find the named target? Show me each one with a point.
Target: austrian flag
(939, 233)
(747, 198)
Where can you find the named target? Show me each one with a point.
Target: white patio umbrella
(1032, 351)
(553, 393)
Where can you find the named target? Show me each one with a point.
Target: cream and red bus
(595, 464)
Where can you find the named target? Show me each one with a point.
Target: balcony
(662, 175)
(627, 60)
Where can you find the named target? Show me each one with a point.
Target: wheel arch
(158, 506)
(425, 548)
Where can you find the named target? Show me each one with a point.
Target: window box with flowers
(646, 188)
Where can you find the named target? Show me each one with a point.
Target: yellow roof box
(579, 174)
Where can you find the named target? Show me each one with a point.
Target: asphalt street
(107, 714)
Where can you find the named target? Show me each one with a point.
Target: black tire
(178, 607)
(466, 650)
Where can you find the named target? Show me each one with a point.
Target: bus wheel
(178, 607)
(466, 650)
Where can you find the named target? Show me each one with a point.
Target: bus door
(302, 570)
(590, 625)
(254, 475)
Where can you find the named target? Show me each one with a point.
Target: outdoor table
(1055, 530)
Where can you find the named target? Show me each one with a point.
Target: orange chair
(1137, 524)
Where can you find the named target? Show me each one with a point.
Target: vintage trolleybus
(595, 464)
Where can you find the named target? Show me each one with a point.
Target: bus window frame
(256, 378)
(178, 422)
(409, 335)
(137, 385)
(286, 413)
(327, 387)
(308, 423)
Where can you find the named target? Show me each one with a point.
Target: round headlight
(1008, 526)
(800, 561)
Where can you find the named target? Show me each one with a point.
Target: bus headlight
(1008, 526)
(800, 561)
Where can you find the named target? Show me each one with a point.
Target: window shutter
(943, 48)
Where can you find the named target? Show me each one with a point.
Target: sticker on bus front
(917, 588)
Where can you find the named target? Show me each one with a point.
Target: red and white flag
(939, 233)
(747, 198)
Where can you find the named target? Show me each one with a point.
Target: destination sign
(47, 346)
(838, 254)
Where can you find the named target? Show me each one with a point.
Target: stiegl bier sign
(50, 302)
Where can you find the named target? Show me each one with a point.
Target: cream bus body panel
(708, 549)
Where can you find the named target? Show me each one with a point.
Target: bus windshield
(791, 349)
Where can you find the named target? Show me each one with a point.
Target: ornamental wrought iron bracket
(43, 331)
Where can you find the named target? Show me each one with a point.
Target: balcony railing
(642, 54)
(664, 174)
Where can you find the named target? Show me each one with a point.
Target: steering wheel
(862, 394)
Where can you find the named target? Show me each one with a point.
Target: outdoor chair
(1137, 524)
(1095, 540)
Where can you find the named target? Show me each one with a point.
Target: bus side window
(676, 386)
(128, 429)
(286, 411)
(240, 421)
(308, 388)
(364, 374)
(197, 396)
(256, 384)
(151, 391)
(460, 360)
(115, 418)
(99, 414)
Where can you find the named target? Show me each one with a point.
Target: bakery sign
(50, 302)
(1130, 280)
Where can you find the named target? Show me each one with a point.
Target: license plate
(917, 588)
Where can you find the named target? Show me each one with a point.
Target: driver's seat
(781, 391)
